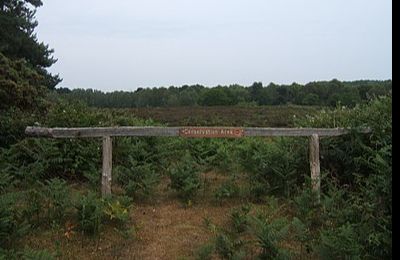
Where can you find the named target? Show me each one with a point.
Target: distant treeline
(322, 93)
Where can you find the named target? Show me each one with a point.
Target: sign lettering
(211, 132)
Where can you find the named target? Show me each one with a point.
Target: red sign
(211, 132)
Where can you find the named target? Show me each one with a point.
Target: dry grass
(166, 229)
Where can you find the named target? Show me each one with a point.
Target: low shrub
(269, 234)
(138, 180)
(240, 219)
(117, 210)
(58, 199)
(227, 190)
(273, 167)
(205, 252)
(229, 247)
(185, 178)
(136, 164)
(89, 214)
(339, 243)
(12, 224)
(34, 201)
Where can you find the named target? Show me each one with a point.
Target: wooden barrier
(190, 132)
(107, 166)
(202, 132)
(315, 166)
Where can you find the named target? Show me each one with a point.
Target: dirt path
(170, 231)
(165, 230)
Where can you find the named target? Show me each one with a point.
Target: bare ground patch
(165, 229)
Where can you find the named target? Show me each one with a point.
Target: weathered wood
(39, 131)
(198, 132)
(107, 166)
(315, 166)
(77, 132)
(256, 131)
(175, 131)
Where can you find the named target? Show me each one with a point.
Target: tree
(18, 40)
(319, 93)
(20, 86)
(255, 91)
(311, 99)
(216, 97)
(22, 99)
(188, 97)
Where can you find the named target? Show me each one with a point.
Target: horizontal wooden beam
(295, 131)
(177, 131)
(77, 132)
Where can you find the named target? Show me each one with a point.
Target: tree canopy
(322, 93)
(18, 40)
(24, 80)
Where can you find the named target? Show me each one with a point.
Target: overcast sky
(126, 44)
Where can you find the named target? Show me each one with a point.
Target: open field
(272, 116)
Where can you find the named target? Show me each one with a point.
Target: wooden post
(107, 166)
(195, 132)
(315, 166)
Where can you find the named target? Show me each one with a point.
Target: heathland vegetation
(252, 196)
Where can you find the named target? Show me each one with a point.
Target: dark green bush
(12, 224)
(185, 178)
(89, 214)
(226, 190)
(357, 199)
(339, 243)
(269, 233)
(135, 170)
(13, 124)
(72, 114)
(38, 159)
(205, 252)
(240, 219)
(137, 165)
(6, 181)
(34, 205)
(306, 208)
(273, 167)
(137, 180)
(224, 246)
(300, 232)
(58, 199)
(225, 159)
